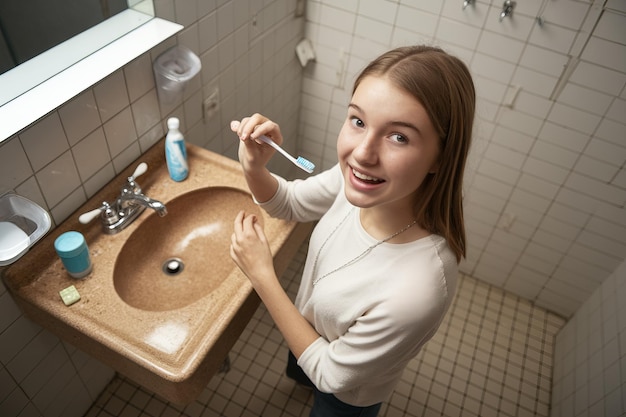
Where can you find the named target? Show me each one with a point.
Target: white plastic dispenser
(305, 52)
(172, 71)
(176, 151)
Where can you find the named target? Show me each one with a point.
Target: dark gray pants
(327, 405)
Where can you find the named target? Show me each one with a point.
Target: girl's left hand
(250, 250)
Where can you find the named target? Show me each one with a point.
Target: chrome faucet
(131, 196)
(507, 9)
(127, 207)
(130, 201)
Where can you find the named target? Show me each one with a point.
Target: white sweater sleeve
(305, 200)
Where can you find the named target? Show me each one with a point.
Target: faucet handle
(140, 170)
(131, 186)
(110, 215)
(89, 216)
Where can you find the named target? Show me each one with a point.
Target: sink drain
(173, 266)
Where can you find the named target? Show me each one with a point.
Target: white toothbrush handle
(278, 148)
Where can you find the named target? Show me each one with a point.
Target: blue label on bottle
(176, 156)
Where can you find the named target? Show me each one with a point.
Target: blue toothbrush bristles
(305, 164)
(301, 162)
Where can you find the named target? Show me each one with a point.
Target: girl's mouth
(366, 178)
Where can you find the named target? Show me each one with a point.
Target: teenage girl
(383, 258)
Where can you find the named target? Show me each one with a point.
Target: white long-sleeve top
(373, 315)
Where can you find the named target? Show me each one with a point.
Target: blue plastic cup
(72, 249)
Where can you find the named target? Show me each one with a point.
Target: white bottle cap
(173, 123)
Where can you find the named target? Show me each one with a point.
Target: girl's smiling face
(386, 147)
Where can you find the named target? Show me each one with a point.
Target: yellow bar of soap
(69, 295)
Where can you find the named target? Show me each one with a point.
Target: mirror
(36, 65)
(31, 27)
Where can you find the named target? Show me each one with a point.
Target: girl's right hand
(254, 154)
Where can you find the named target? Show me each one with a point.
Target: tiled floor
(492, 356)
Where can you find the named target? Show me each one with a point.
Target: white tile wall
(543, 174)
(590, 355)
(71, 153)
(39, 374)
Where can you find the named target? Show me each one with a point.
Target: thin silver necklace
(358, 257)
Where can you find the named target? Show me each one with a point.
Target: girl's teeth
(365, 177)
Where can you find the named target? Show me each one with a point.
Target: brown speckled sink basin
(171, 341)
(172, 261)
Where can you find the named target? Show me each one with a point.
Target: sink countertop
(173, 353)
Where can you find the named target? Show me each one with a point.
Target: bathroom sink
(169, 332)
(172, 261)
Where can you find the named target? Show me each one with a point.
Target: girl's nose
(367, 151)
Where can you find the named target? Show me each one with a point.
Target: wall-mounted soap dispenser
(172, 71)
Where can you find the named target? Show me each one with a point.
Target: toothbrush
(301, 162)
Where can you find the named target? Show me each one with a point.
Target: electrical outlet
(211, 104)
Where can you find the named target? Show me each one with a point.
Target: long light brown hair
(443, 85)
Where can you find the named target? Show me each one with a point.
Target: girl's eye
(356, 122)
(396, 137)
